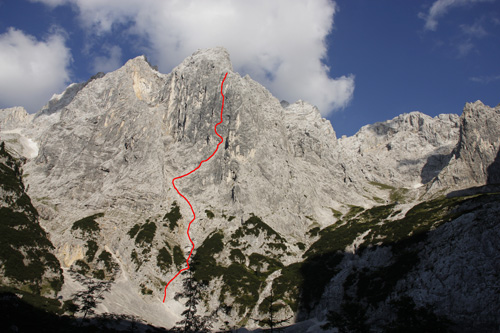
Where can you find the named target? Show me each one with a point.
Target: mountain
(394, 225)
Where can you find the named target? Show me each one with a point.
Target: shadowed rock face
(474, 159)
(494, 171)
(108, 149)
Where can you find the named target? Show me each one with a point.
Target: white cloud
(31, 70)
(52, 3)
(110, 62)
(440, 7)
(475, 30)
(280, 43)
(485, 79)
(464, 48)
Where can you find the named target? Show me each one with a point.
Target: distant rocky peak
(12, 118)
(214, 59)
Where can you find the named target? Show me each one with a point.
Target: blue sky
(359, 61)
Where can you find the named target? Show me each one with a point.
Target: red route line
(190, 172)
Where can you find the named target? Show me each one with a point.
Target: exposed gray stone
(114, 143)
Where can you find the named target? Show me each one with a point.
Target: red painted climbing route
(187, 174)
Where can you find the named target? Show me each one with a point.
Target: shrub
(263, 264)
(99, 274)
(178, 256)
(81, 267)
(88, 225)
(209, 213)
(243, 285)
(314, 232)
(134, 230)
(336, 213)
(135, 258)
(237, 256)
(204, 265)
(254, 226)
(164, 259)
(91, 250)
(173, 216)
(146, 233)
(106, 258)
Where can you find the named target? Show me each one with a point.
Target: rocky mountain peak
(475, 159)
(283, 205)
(12, 118)
(216, 58)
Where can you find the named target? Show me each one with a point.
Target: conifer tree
(192, 321)
(88, 298)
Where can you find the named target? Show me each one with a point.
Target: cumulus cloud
(31, 70)
(440, 7)
(279, 43)
(110, 62)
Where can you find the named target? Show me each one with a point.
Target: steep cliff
(287, 214)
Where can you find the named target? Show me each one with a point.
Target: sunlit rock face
(283, 205)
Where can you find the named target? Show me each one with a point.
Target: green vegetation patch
(307, 280)
(25, 250)
(353, 211)
(266, 307)
(336, 238)
(399, 195)
(179, 259)
(145, 234)
(204, 263)
(99, 274)
(134, 230)
(336, 213)
(242, 284)
(173, 216)
(421, 218)
(287, 286)
(209, 213)
(91, 250)
(47, 305)
(135, 258)
(10, 172)
(88, 225)
(237, 256)
(383, 186)
(396, 194)
(164, 259)
(81, 267)
(107, 259)
(277, 246)
(254, 226)
(314, 232)
(263, 264)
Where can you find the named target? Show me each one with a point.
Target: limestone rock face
(407, 151)
(13, 118)
(103, 154)
(475, 159)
